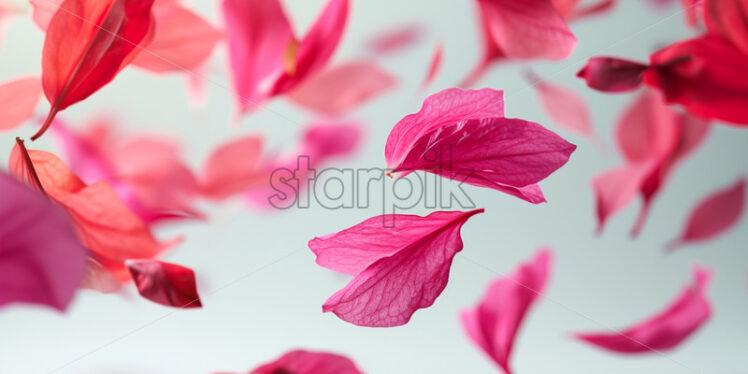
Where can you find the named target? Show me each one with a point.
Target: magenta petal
(714, 215)
(41, 259)
(343, 87)
(448, 107)
(609, 74)
(400, 269)
(305, 362)
(493, 324)
(667, 329)
(164, 283)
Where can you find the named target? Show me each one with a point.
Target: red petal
(610, 74)
(88, 42)
(165, 283)
(729, 19)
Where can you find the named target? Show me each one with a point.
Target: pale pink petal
(648, 128)
(713, 215)
(395, 39)
(593, 9)
(41, 259)
(434, 66)
(397, 281)
(306, 362)
(493, 324)
(232, 168)
(343, 87)
(667, 329)
(43, 11)
(610, 74)
(182, 41)
(164, 283)
(448, 107)
(19, 97)
(565, 107)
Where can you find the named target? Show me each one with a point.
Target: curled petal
(164, 283)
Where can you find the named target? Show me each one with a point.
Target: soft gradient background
(263, 292)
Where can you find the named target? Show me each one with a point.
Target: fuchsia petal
(668, 328)
(729, 19)
(343, 87)
(448, 107)
(182, 40)
(165, 283)
(505, 151)
(395, 39)
(20, 98)
(493, 324)
(434, 65)
(305, 362)
(609, 74)
(258, 35)
(232, 168)
(705, 75)
(41, 259)
(400, 269)
(614, 189)
(565, 107)
(714, 215)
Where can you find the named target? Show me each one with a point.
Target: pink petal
(258, 34)
(43, 11)
(395, 39)
(42, 259)
(19, 98)
(497, 153)
(183, 40)
(232, 168)
(343, 87)
(647, 129)
(448, 107)
(305, 362)
(615, 189)
(397, 281)
(565, 108)
(705, 75)
(714, 215)
(434, 66)
(579, 12)
(102, 221)
(667, 329)
(609, 74)
(493, 324)
(729, 19)
(165, 283)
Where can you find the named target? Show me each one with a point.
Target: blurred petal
(20, 98)
(305, 362)
(232, 168)
(610, 74)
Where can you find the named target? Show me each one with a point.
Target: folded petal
(182, 40)
(448, 107)
(41, 259)
(398, 275)
(87, 43)
(505, 151)
(493, 324)
(342, 88)
(20, 98)
(665, 330)
(232, 168)
(705, 75)
(713, 215)
(306, 362)
(609, 74)
(165, 283)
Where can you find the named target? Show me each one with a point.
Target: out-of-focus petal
(20, 98)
